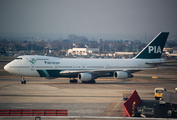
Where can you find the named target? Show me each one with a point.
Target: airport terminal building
(82, 51)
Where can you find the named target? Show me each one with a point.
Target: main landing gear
(23, 81)
(73, 81)
(91, 81)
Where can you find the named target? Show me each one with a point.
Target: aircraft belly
(108, 74)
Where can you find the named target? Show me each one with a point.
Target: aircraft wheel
(73, 81)
(91, 81)
(24, 82)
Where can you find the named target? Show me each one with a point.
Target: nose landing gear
(23, 81)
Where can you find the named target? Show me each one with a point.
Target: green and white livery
(87, 70)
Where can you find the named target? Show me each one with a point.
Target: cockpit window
(18, 58)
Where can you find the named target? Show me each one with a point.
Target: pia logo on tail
(154, 49)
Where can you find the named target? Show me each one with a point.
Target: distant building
(171, 53)
(174, 51)
(168, 50)
(82, 51)
(125, 54)
(99, 40)
(51, 51)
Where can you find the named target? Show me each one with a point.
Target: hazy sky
(89, 16)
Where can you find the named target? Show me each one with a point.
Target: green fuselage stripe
(41, 73)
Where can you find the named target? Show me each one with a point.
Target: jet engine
(85, 76)
(120, 75)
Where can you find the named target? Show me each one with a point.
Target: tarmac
(101, 99)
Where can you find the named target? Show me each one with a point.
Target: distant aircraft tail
(154, 48)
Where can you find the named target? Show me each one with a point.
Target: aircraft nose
(6, 67)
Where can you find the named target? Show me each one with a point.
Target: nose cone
(6, 67)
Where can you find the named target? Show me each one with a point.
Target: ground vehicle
(158, 92)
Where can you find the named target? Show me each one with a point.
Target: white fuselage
(28, 65)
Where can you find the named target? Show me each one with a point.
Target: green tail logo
(154, 49)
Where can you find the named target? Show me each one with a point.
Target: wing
(101, 72)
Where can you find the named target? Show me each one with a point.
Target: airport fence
(34, 112)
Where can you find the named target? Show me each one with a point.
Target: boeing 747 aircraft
(87, 70)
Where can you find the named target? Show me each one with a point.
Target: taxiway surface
(101, 99)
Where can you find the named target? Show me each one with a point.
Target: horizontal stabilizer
(153, 63)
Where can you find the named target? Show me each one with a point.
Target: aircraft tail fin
(154, 48)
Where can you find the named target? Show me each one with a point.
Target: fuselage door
(32, 67)
(83, 66)
(139, 65)
(55, 66)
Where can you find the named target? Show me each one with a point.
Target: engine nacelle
(85, 77)
(120, 75)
